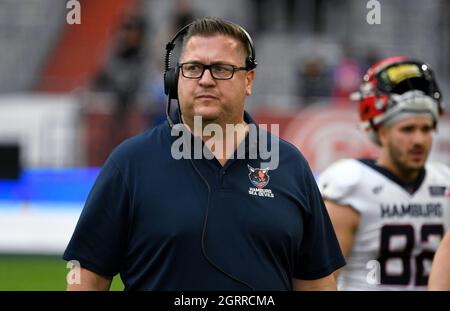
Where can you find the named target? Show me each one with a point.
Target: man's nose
(419, 137)
(207, 78)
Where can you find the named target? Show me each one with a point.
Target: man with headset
(221, 222)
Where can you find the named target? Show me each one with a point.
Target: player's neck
(404, 175)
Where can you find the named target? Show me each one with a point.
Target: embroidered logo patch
(438, 190)
(259, 178)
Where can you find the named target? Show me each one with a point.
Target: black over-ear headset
(171, 73)
(171, 90)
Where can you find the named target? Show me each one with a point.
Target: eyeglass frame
(209, 67)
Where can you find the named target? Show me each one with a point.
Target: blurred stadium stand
(79, 50)
(28, 31)
(65, 128)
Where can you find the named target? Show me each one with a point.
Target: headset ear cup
(171, 83)
(166, 81)
(175, 83)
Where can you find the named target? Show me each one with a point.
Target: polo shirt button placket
(222, 176)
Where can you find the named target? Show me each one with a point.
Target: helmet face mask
(394, 85)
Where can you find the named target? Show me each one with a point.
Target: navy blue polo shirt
(144, 218)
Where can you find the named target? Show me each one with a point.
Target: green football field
(33, 273)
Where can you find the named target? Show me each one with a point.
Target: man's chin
(208, 115)
(418, 163)
(415, 166)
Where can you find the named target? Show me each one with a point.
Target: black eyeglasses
(218, 71)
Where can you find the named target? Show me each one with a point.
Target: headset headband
(171, 45)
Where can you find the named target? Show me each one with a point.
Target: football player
(390, 213)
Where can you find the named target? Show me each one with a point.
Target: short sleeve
(100, 235)
(340, 183)
(319, 254)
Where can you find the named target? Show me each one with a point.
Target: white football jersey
(398, 231)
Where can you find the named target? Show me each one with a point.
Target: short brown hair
(209, 26)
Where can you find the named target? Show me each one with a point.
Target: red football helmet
(393, 85)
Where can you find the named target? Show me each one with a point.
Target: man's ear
(249, 82)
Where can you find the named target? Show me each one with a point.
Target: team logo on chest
(259, 178)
